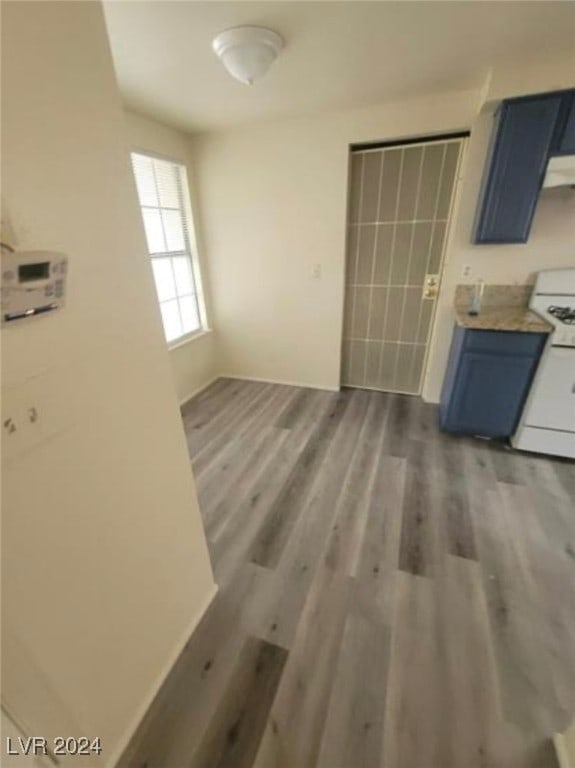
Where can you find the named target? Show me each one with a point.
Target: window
(162, 191)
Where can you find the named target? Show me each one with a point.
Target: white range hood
(560, 172)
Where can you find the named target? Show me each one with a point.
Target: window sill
(183, 340)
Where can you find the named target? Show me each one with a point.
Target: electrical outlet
(466, 271)
(316, 271)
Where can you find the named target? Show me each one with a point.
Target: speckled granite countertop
(503, 308)
(502, 319)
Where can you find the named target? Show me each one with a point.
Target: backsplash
(495, 295)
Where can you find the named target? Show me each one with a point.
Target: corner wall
(194, 363)
(104, 561)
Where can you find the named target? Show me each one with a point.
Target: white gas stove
(547, 423)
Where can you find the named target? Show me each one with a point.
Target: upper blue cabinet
(565, 141)
(527, 132)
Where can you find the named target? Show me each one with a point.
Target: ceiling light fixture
(247, 52)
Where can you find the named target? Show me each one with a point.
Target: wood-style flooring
(390, 596)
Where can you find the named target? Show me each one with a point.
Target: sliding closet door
(399, 208)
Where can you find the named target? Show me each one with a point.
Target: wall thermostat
(33, 282)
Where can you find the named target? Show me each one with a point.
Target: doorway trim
(368, 146)
(374, 145)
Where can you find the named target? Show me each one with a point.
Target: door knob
(430, 286)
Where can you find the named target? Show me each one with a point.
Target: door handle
(430, 286)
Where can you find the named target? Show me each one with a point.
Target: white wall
(105, 565)
(194, 363)
(565, 747)
(10, 760)
(272, 204)
(554, 72)
(569, 737)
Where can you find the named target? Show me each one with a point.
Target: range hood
(560, 172)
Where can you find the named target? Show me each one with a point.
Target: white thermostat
(33, 282)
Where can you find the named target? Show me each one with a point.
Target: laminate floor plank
(540, 475)
(352, 509)
(213, 485)
(201, 427)
(453, 488)
(565, 472)
(377, 565)
(478, 735)
(423, 420)
(200, 440)
(298, 406)
(473, 709)
(218, 505)
(390, 596)
(415, 726)
(545, 572)
(279, 522)
(197, 411)
(235, 732)
(477, 467)
(418, 545)
(353, 733)
(399, 425)
(249, 504)
(239, 422)
(277, 613)
(207, 402)
(513, 616)
(297, 717)
(508, 464)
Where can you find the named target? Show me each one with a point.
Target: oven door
(551, 403)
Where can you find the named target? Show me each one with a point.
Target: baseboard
(306, 384)
(147, 703)
(561, 752)
(197, 391)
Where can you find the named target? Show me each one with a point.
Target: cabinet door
(567, 140)
(489, 394)
(519, 155)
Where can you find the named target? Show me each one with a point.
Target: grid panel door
(399, 208)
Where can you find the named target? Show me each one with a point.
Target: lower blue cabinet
(487, 380)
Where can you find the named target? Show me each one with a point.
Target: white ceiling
(338, 54)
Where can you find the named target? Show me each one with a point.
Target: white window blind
(162, 192)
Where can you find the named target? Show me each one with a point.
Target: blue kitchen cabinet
(523, 140)
(566, 130)
(487, 380)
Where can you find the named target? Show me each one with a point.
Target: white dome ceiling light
(247, 52)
